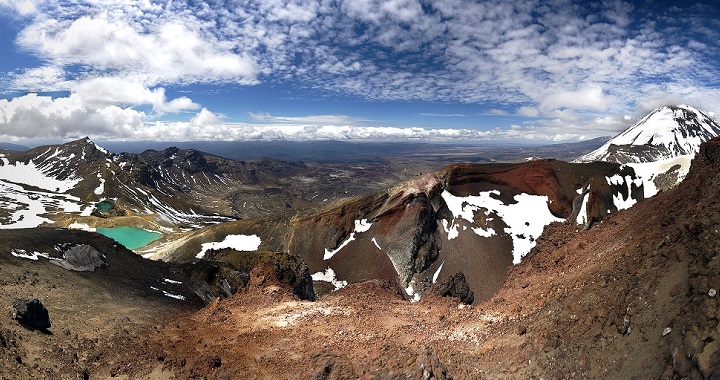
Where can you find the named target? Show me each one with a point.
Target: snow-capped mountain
(179, 187)
(665, 133)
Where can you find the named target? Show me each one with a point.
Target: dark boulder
(31, 313)
(455, 286)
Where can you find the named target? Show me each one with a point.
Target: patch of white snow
(360, 226)
(236, 242)
(329, 276)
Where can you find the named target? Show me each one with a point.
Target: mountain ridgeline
(458, 228)
(181, 187)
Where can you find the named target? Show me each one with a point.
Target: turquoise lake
(130, 237)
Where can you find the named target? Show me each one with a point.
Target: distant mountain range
(10, 146)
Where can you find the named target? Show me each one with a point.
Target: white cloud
(33, 116)
(120, 91)
(169, 52)
(311, 119)
(588, 97)
(176, 105)
(205, 118)
(528, 111)
(445, 114)
(22, 7)
(41, 79)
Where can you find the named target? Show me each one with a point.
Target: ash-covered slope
(644, 282)
(665, 133)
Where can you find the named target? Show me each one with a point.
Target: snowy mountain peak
(666, 132)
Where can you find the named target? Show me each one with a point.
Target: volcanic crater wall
(409, 235)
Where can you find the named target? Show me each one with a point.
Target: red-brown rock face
(410, 235)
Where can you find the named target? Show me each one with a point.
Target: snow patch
(329, 276)
(376, 243)
(176, 296)
(23, 254)
(236, 242)
(437, 273)
(618, 180)
(526, 219)
(360, 227)
(411, 292)
(81, 226)
(101, 188)
(582, 215)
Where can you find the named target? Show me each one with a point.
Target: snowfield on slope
(25, 207)
(247, 243)
(526, 219)
(360, 226)
(649, 171)
(30, 174)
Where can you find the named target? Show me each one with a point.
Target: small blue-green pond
(130, 237)
(104, 206)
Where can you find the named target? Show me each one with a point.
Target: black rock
(31, 313)
(455, 286)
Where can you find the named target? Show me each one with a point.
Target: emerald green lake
(130, 237)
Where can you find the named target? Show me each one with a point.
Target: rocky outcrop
(227, 271)
(31, 313)
(455, 286)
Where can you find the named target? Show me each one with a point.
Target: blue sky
(447, 70)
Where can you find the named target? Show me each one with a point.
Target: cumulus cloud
(170, 52)
(114, 90)
(205, 118)
(34, 116)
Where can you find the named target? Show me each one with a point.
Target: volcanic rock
(81, 258)
(31, 313)
(455, 286)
